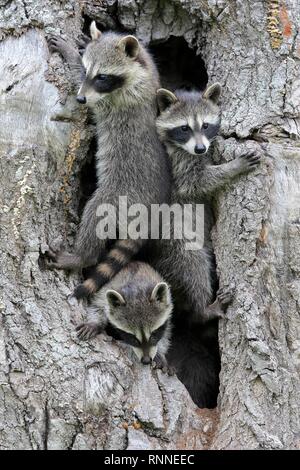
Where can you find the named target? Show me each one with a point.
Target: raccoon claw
(162, 364)
(51, 254)
(82, 42)
(86, 331)
(217, 308)
(61, 259)
(66, 50)
(55, 43)
(171, 370)
(47, 260)
(50, 264)
(225, 296)
(50, 259)
(250, 159)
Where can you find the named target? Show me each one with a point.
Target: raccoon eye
(134, 342)
(185, 128)
(205, 125)
(127, 338)
(100, 78)
(158, 334)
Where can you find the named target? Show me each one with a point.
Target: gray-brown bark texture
(59, 393)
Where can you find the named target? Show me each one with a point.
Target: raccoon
(134, 307)
(187, 125)
(119, 85)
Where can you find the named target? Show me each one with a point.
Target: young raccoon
(134, 307)
(119, 85)
(188, 123)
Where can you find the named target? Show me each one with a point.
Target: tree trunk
(59, 393)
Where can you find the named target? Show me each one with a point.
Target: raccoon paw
(56, 43)
(64, 48)
(249, 160)
(171, 370)
(225, 296)
(58, 259)
(218, 307)
(82, 42)
(88, 330)
(161, 363)
(48, 260)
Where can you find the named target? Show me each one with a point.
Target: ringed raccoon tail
(116, 259)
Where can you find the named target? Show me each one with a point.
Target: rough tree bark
(59, 393)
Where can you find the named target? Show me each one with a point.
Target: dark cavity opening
(178, 65)
(88, 178)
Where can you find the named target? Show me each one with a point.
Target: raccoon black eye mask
(157, 334)
(122, 335)
(181, 134)
(104, 83)
(107, 83)
(130, 339)
(211, 131)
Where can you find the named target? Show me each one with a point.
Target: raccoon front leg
(95, 324)
(62, 260)
(88, 330)
(88, 246)
(82, 42)
(160, 362)
(218, 307)
(69, 53)
(214, 177)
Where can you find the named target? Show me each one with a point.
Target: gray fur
(140, 311)
(195, 180)
(130, 159)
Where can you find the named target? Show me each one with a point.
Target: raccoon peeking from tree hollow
(187, 125)
(135, 307)
(119, 84)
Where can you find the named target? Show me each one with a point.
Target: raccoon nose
(200, 148)
(146, 360)
(81, 99)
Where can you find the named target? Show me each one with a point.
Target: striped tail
(116, 259)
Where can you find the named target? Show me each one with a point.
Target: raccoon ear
(114, 298)
(165, 98)
(213, 93)
(94, 31)
(161, 293)
(130, 45)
